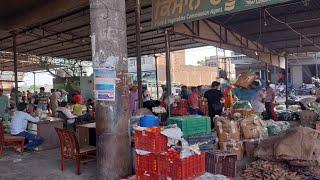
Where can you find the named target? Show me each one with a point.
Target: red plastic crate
(179, 111)
(183, 104)
(181, 169)
(153, 142)
(144, 175)
(147, 163)
(221, 162)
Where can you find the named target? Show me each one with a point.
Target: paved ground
(42, 165)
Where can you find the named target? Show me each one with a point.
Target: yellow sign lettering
(215, 2)
(230, 4)
(194, 4)
(162, 8)
(177, 4)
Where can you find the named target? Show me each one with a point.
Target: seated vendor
(19, 123)
(88, 117)
(66, 112)
(77, 109)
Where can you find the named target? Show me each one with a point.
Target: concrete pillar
(109, 49)
(296, 75)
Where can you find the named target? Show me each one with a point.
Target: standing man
(29, 96)
(270, 102)
(43, 100)
(214, 98)
(53, 102)
(4, 106)
(184, 92)
(193, 101)
(258, 100)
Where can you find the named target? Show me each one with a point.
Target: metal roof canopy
(26, 63)
(66, 33)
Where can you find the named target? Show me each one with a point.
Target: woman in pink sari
(133, 99)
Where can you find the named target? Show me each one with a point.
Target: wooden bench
(6, 140)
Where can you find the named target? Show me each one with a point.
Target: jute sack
(301, 143)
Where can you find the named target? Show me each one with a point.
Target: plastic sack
(242, 105)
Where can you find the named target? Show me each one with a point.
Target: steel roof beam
(232, 41)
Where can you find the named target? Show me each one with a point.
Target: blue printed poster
(104, 89)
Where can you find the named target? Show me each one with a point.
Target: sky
(192, 57)
(197, 54)
(43, 78)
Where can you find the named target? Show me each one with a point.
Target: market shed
(62, 29)
(65, 32)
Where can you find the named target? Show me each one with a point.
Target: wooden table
(86, 134)
(45, 129)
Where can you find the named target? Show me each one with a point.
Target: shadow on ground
(43, 165)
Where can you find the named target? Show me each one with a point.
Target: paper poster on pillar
(109, 62)
(104, 89)
(104, 72)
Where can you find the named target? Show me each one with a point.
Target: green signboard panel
(168, 12)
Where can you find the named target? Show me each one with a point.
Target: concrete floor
(43, 165)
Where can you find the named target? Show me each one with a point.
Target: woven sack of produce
(276, 127)
(227, 130)
(265, 149)
(234, 147)
(301, 144)
(245, 80)
(251, 129)
(308, 117)
(250, 145)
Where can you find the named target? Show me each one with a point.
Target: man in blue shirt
(19, 123)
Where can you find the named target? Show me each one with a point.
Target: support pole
(168, 67)
(109, 50)
(138, 43)
(15, 67)
(157, 81)
(287, 79)
(317, 70)
(34, 81)
(267, 72)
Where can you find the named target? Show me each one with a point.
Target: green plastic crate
(192, 125)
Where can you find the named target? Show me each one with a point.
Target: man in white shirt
(146, 95)
(270, 102)
(66, 111)
(19, 123)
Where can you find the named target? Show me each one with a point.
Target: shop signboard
(169, 12)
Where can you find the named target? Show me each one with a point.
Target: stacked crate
(181, 109)
(221, 162)
(157, 162)
(153, 143)
(192, 125)
(196, 129)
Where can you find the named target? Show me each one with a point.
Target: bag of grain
(234, 147)
(245, 80)
(251, 129)
(227, 129)
(250, 145)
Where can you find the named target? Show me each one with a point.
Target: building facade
(181, 73)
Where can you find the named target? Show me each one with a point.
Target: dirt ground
(42, 165)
